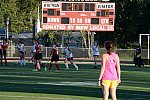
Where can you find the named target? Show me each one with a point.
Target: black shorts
(4, 52)
(38, 56)
(55, 58)
(21, 52)
(95, 55)
(70, 58)
(0, 51)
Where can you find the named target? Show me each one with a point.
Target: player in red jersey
(54, 57)
(38, 57)
(4, 47)
(1, 55)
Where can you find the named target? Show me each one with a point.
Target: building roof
(23, 35)
(2, 31)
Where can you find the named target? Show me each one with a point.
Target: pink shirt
(110, 72)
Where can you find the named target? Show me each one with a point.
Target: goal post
(140, 42)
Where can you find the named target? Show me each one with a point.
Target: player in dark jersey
(54, 57)
(1, 55)
(38, 57)
(4, 47)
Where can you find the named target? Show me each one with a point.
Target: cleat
(50, 70)
(66, 68)
(34, 70)
(57, 70)
(95, 67)
(45, 69)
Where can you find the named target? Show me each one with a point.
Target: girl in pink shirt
(110, 72)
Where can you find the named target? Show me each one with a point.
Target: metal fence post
(46, 52)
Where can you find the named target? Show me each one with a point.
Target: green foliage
(21, 83)
(132, 19)
(49, 37)
(20, 13)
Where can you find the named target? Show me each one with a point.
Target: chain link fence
(124, 54)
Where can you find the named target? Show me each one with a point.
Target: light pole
(38, 28)
(7, 31)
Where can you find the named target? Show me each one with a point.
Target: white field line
(86, 83)
(140, 82)
(94, 80)
(35, 97)
(91, 82)
(48, 98)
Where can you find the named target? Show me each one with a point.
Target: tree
(132, 19)
(20, 13)
(84, 36)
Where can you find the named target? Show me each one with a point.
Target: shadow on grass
(71, 90)
(133, 68)
(85, 91)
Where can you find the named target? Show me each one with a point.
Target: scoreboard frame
(90, 16)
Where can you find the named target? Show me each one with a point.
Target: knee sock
(66, 64)
(36, 67)
(38, 64)
(50, 66)
(57, 66)
(24, 62)
(75, 66)
(21, 61)
(42, 65)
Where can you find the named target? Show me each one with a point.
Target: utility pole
(33, 27)
(7, 28)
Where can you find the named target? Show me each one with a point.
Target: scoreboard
(90, 16)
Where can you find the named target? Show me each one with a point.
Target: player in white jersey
(22, 51)
(33, 52)
(96, 53)
(69, 57)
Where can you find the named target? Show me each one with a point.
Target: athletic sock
(45, 69)
(50, 66)
(38, 64)
(75, 66)
(66, 64)
(43, 65)
(95, 64)
(57, 66)
(24, 62)
(36, 67)
(21, 61)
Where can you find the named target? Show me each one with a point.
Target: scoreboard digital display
(90, 16)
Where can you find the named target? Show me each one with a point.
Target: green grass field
(21, 83)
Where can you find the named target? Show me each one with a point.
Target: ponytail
(109, 47)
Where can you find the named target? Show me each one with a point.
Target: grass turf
(21, 83)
